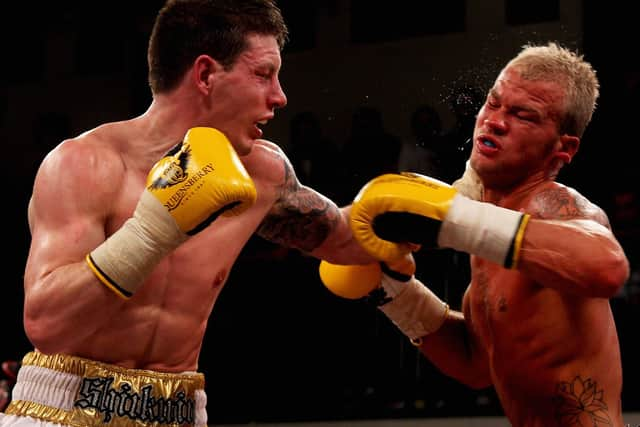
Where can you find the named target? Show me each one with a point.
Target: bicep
(568, 245)
(67, 212)
(60, 235)
(565, 222)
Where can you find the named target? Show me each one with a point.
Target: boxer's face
(246, 96)
(516, 132)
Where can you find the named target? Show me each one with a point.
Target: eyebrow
(494, 93)
(266, 65)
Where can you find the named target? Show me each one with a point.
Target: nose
(496, 124)
(278, 98)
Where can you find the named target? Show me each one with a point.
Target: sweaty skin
(562, 361)
(88, 186)
(543, 335)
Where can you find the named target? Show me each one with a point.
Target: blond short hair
(552, 62)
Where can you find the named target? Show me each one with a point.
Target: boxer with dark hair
(136, 225)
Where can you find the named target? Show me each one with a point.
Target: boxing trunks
(72, 391)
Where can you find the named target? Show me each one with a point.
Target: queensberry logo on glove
(173, 170)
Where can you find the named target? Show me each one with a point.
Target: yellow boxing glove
(350, 281)
(201, 179)
(198, 180)
(409, 304)
(396, 208)
(355, 281)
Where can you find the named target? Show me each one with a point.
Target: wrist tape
(485, 230)
(126, 258)
(413, 308)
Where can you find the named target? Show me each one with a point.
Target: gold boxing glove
(398, 208)
(198, 180)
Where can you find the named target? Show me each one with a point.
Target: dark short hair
(185, 29)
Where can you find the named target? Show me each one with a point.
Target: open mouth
(488, 143)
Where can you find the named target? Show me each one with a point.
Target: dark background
(279, 346)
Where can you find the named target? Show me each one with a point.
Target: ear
(566, 147)
(204, 72)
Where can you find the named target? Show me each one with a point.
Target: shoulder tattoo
(563, 204)
(301, 217)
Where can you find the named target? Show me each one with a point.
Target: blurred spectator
(421, 152)
(624, 215)
(438, 155)
(370, 150)
(8, 374)
(314, 156)
(465, 102)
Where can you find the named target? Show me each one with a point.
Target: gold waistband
(80, 392)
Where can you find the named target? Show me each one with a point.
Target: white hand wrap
(414, 309)
(124, 260)
(469, 184)
(491, 232)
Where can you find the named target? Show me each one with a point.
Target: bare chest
(198, 267)
(498, 299)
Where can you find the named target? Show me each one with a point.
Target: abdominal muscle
(552, 355)
(162, 326)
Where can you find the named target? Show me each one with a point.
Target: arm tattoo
(580, 403)
(300, 218)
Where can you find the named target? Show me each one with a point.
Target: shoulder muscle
(563, 203)
(78, 176)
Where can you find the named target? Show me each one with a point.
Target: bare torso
(162, 326)
(553, 356)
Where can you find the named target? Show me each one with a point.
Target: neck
(505, 195)
(167, 120)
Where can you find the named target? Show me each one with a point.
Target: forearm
(578, 256)
(442, 335)
(340, 247)
(451, 350)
